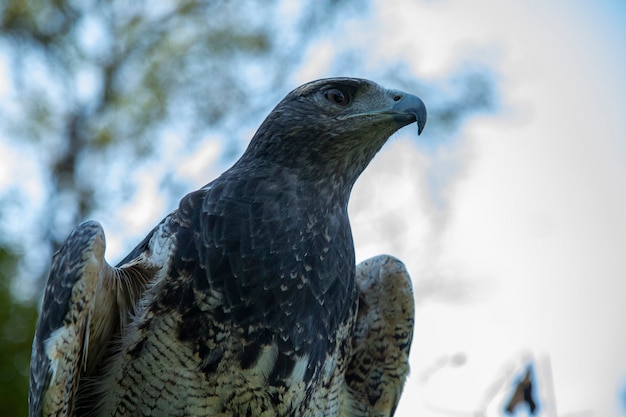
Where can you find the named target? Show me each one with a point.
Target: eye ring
(337, 96)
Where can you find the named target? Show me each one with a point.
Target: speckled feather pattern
(379, 364)
(245, 300)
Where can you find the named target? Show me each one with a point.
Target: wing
(86, 302)
(382, 338)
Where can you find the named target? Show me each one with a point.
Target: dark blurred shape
(522, 394)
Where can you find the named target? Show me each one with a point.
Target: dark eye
(335, 95)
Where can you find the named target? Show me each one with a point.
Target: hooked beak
(410, 109)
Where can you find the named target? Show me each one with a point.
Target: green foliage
(17, 326)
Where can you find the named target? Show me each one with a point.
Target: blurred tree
(96, 86)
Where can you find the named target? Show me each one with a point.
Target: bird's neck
(323, 187)
(327, 164)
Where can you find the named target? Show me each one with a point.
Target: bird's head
(333, 127)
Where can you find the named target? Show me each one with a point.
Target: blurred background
(508, 210)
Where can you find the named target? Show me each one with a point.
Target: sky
(523, 262)
(515, 250)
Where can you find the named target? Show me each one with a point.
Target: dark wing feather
(86, 301)
(381, 341)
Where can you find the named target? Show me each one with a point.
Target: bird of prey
(245, 300)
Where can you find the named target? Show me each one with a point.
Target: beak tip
(420, 126)
(421, 116)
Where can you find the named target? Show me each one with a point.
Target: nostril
(397, 97)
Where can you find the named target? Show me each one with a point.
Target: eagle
(246, 300)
